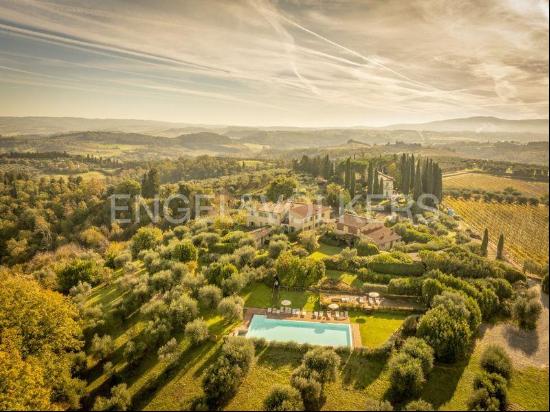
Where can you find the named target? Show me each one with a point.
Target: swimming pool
(314, 333)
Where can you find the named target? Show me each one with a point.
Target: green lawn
(259, 295)
(450, 386)
(324, 251)
(377, 327)
(357, 380)
(349, 279)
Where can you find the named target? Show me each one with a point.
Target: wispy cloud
(285, 62)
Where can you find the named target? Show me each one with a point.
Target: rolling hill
(478, 124)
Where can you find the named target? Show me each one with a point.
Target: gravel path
(526, 348)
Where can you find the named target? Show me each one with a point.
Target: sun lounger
(269, 310)
(337, 315)
(304, 314)
(315, 315)
(282, 309)
(322, 315)
(346, 314)
(295, 312)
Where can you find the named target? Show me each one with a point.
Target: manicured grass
(377, 327)
(324, 251)
(449, 387)
(349, 279)
(259, 295)
(357, 380)
(529, 388)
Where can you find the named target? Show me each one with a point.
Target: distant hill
(108, 141)
(58, 125)
(477, 124)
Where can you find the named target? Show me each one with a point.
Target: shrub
(101, 347)
(419, 405)
(217, 272)
(405, 286)
(235, 283)
(366, 248)
(544, 284)
(324, 362)
(210, 296)
(310, 390)
(501, 287)
(145, 238)
(482, 401)
(369, 276)
(430, 289)
(231, 308)
(418, 349)
(319, 366)
(183, 251)
(120, 400)
(495, 360)
(296, 271)
(276, 247)
(526, 311)
(283, 398)
(182, 309)
(488, 303)
(376, 405)
(79, 270)
(460, 306)
(448, 335)
(308, 239)
(225, 375)
(169, 350)
(197, 331)
(495, 385)
(406, 376)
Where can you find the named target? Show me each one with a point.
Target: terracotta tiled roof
(304, 210)
(383, 235)
(261, 232)
(348, 219)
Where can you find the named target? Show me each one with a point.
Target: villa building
(367, 229)
(292, 216)
(388, 189)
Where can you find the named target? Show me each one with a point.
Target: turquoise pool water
(314, 333)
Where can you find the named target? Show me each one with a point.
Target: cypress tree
(376, 184)
(485, 242)
(412, 173)
(347, 174)
(405, 174)
(417, 192)
(500, 248)
(370, 179)
(352, 183)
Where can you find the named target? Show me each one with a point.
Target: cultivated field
(492, 183)
(525, 227)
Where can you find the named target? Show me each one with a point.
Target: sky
(265, 63)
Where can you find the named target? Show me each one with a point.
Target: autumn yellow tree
(39, 332)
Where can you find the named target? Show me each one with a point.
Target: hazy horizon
(268, 64)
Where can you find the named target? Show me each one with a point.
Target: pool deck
(250, 312)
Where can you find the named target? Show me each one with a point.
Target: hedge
(398, 269)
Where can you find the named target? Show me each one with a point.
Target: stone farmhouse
(292, 216)
(366, 229)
